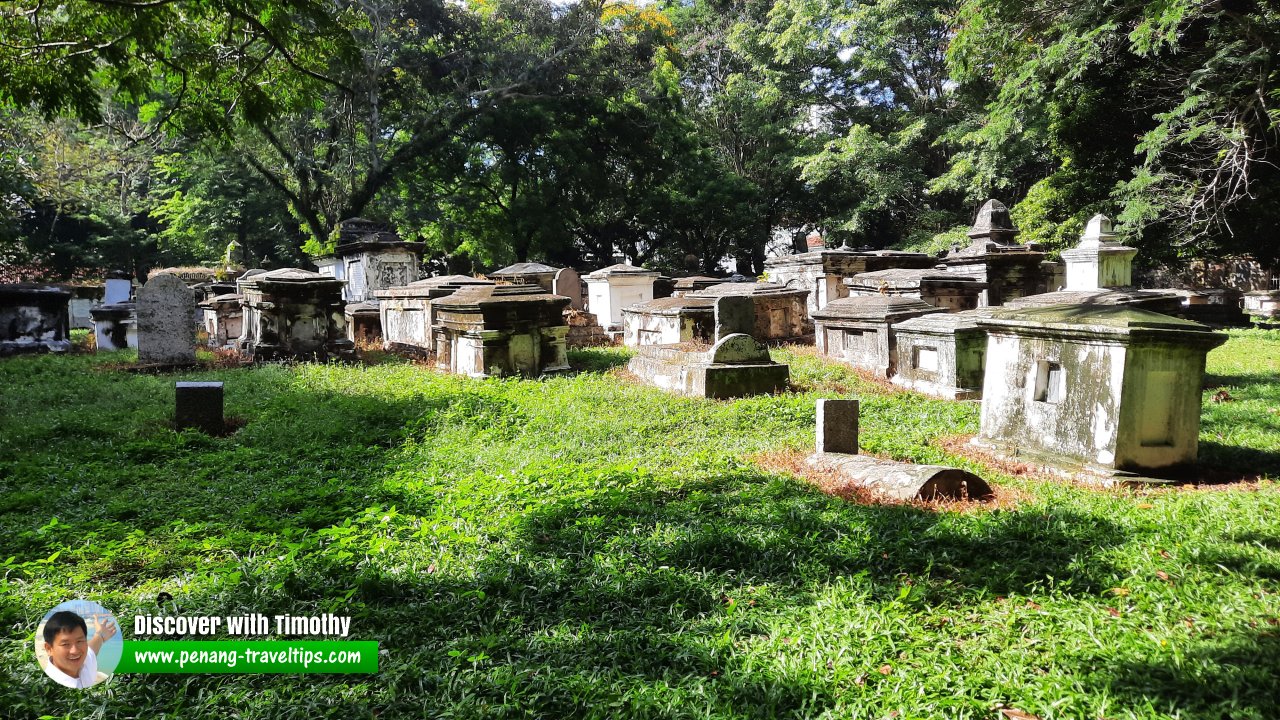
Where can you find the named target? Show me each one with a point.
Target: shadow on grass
(1234, 676)
(1219, 462)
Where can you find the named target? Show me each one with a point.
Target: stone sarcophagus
(406, 311)
(34, 318)
(1010, 270)
(1105, 388)
(822, 271)
(293, 313)
(370, 257)
(781, 312)
(611, 289)
(500, 330)
(942, 354)
(223, 320)
(950, 291)
(860, 330)
(669, 321)
(736, 366)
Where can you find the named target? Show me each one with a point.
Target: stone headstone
(838, 426)
(735, 314)
(117, 289)
(739, 348)
(165, 331)
(199, 405)
(568, 283)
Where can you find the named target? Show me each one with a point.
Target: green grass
(586, 547)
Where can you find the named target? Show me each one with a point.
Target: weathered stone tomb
(293, 313)
(115, 322)
(781, 312)
(822, 271)
(942, 354)
(223, 320)
(611, 289)
(736, 366)
(950, 291)
(1009, 270)
(837, 454)
(669, 321)
(528, 273)
(406, 311)
(370, 257)
(860, 330)
(1105, 388)
(34, 318)
(487, 330)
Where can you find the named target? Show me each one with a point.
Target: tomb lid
(187, 274)
(442, 280)
(874, 307)
(621, 269)
(475, 295)
(294, 276)
(1104, 296)
(748, 288)
(672, 306)
(357, 235)
(696, 281)
(898, 278)
(225, 299)
(362, 308)
(525, 268)
(21, 290)
(1100, 321)
(945, 323)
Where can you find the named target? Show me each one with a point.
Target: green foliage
(1068, 88)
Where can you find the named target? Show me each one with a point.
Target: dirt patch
(792, 462)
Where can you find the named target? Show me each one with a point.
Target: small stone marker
(838, 455)
(199, 405)
(838, 426)
(165, 331)
(735, 314)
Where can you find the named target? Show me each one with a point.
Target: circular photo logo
(78, 644)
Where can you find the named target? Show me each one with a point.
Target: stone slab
(838, 426)
(165, 331)
(199, 405)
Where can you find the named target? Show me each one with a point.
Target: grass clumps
(581, 546)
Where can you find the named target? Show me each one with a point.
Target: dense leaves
(694, 135)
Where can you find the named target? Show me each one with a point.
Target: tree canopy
(690, 134)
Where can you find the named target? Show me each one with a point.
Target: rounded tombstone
(739, 348)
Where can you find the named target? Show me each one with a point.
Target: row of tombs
(1069, 360)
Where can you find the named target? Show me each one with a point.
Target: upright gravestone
(568, 283)
(735, 314)
(165, 332)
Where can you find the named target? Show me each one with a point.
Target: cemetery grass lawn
(587, 547)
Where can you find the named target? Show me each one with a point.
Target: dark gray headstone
(199, 405)
(735, 314)
(838, 426)
(165, 331)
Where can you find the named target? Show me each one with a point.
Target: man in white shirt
(73, 658)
